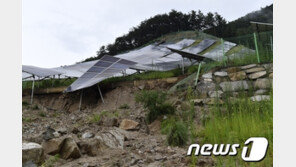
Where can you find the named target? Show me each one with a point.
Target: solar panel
(217, 53)
(204, 44)
(104, 68)
(40, 72)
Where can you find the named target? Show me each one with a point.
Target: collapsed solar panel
(217, 53)
(75, 70)
(203, 45)
(40, 72)
(149, 54)
(106, 67)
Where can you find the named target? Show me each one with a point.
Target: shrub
(177, 134)
(154, 101)
(124, 106)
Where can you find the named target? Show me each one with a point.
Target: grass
(48, 83)
(51, 161)
(96, 118)
(155, 103)
(124, 106)
(234, 122)
(28, 120)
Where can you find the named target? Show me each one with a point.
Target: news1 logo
(255, 153)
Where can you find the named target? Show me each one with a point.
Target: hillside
(242, 25)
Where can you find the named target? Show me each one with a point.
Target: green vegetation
(96, 118)
(236, 120)
(24, 119)
(51, 161)
(42, 114)
(124, 106)
(155, 103)
(25, 103)
(48, 83)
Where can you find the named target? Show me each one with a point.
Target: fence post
(197, 74)
(256, 46)
(223, 54)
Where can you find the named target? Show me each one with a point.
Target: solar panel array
(40, 72)
(217, 53)
(204, 44)
(106, 67)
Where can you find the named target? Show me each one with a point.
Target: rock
(127, 124)
(48, 134)
(141, 87)
(29, 164)
(215, 94)
(260, 92)
(241, 75)
(221, 74)
(233, 70)
(270, 75)
(185, 105)
(208, 80)
(263, 83)
(91, 147)
(205, 87)
(260, 97)
(32, 152)
(268, 66)
(75, 130)
(171, 80)
(53, 146)
(155, 164)
(207, 75)
(87, 135)
(257, 75)
(199, 101)
(70, 149)
(234, 86)
(256, 69)
(213, 101)
(62, 131)
(248, 66)
(113, 121)
(113, 138)
(56, 134)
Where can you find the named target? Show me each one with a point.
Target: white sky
(62, 32)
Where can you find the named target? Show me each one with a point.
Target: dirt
(143, 147)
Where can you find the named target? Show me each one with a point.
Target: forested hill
(174, 21)
(159, 25)
(242, 25)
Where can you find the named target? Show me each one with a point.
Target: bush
(177, 134)
(154, 101)
(124, 106)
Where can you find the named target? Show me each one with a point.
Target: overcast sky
(62, 32)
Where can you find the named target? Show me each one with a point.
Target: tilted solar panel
(204, 44)
(40, 72)
(104, 68)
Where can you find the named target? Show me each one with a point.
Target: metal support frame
(197, 74)
(101, 94)
(182, 65)
(32, 93)
(80, 102)
(256, 46)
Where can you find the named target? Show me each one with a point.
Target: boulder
(234, 86)
(53, 146)
(233, 69)
(127, 124)
(113, 138)
(70, 149)
(260, 92)
(220, 74)
(263, 83)
(207, 75)
(48, 134)
(29, 164)
(62, 131)
(256, 69)
(260, 97)
(241, 75)
(257, 75)
(215, 94)
(248, 66)
(205, 87)
(32, 152)
(87, 135)
(91, 147)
